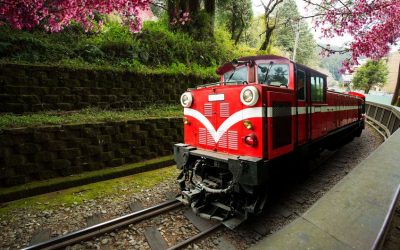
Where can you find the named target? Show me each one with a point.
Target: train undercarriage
(220, 188)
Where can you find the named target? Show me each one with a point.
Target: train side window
(323, 96)
(301, 86)
(320, 88)
(314, 93)
(317, 89)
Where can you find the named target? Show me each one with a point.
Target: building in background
(393, 62)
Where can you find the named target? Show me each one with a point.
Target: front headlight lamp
(249, 95)
(186, 99)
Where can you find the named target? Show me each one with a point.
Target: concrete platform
(353, 214)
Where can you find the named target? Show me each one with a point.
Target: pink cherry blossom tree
(54, 15)
(373, 24)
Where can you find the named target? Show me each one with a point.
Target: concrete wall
(28, 154)
(28, 88)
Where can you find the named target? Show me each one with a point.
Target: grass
(88, 115)
(83, 178)
(173, 69)
(114, 188)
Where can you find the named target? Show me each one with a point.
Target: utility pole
(296, 28)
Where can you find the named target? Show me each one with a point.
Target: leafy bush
(154, 47)
(90, 53)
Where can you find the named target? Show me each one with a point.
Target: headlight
(186, 99)
(249, 95)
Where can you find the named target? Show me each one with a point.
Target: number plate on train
(217, 97)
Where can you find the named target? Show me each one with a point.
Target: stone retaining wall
(28, 154)
(31, 88)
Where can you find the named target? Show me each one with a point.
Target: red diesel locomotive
(263, 108)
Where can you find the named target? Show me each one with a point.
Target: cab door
(302, 112)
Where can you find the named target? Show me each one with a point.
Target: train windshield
(237, 75)
(273, 74)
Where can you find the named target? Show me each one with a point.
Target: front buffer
(219, 186)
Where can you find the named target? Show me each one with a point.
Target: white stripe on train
(257, 112)
(229, 122)
(311, 110)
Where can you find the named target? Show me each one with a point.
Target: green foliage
(236, 16)
(284, 35)
(373, 73)
(200, 26)
(223, 41)
(252, 36)
(89, 115)
(155, 47)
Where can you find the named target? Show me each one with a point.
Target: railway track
(108, 226)
(156, 243)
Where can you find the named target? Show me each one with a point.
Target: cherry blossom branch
(56, 15)
(372, 24)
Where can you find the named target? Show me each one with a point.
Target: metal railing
(385, 118)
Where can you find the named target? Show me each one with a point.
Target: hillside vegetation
(155, 47)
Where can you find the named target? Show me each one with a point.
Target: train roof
(228, 65)
(356, 94)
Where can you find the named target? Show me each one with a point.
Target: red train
(263, 108)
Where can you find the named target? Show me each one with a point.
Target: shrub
(155, 47)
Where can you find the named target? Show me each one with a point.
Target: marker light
(186, 99)
(251, 140)
(185, 121)
(247, 124)
(249, 95)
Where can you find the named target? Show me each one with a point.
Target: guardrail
(385, 118)
(356, 213)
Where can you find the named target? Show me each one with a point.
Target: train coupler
(188, 196)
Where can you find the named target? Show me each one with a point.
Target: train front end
(222, 157)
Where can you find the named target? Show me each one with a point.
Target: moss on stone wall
(32, 88)
(28, 154)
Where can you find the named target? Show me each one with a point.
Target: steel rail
(101, 228)
(195, 237)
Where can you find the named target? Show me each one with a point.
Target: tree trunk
(233, 22)
(268, 35)
(209, 6)
(240, 31)
(367, 89)
(194, 6)
(171, 9)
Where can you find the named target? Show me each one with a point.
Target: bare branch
(347, 7)
(158, 4)
(334, 51)
(315, 4)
